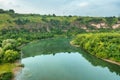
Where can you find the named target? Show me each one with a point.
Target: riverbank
(16, 69)
(8, 71)
(107, 60)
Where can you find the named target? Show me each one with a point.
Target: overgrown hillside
(52, 23)
(24, 27)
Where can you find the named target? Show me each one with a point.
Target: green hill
(35, 26)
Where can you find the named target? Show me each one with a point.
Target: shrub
(1, 54)
(11, 56)
(6, 76)
(9, 44)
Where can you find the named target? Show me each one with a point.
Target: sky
(64, 7)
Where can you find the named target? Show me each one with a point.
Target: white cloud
(83, 4)
(7, 4)
(75, 5)
(63, 7)
(19, 6)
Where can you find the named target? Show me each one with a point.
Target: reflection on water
(98, 62)
(56, 59)
(64, 66)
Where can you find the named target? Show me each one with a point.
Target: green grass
(4, 17)
(7, 67)
(6, 21)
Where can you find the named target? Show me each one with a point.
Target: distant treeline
(7, 11)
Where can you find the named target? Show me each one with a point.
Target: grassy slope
(7, 20)
(7, 67)
(4, 20)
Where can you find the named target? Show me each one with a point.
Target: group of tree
(102, 45)
(10, 11)
(9, 51)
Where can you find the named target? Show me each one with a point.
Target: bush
(6, 76)
(1, 54)
(101, 55)
(11, 56)
(9, 44)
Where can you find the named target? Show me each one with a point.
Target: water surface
(51, 60)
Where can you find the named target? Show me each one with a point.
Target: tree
(21, 21)
(11, 11)
(111, 21)
(2, 11)
(1, 51)
(11, 56)
(9, 44)
(54, 15)
(1, 54)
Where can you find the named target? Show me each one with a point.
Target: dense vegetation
(6, 76)
(9, 51)
(28, 27)
(102, 45)
(8, 54)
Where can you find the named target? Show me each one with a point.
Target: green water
(55, 59)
